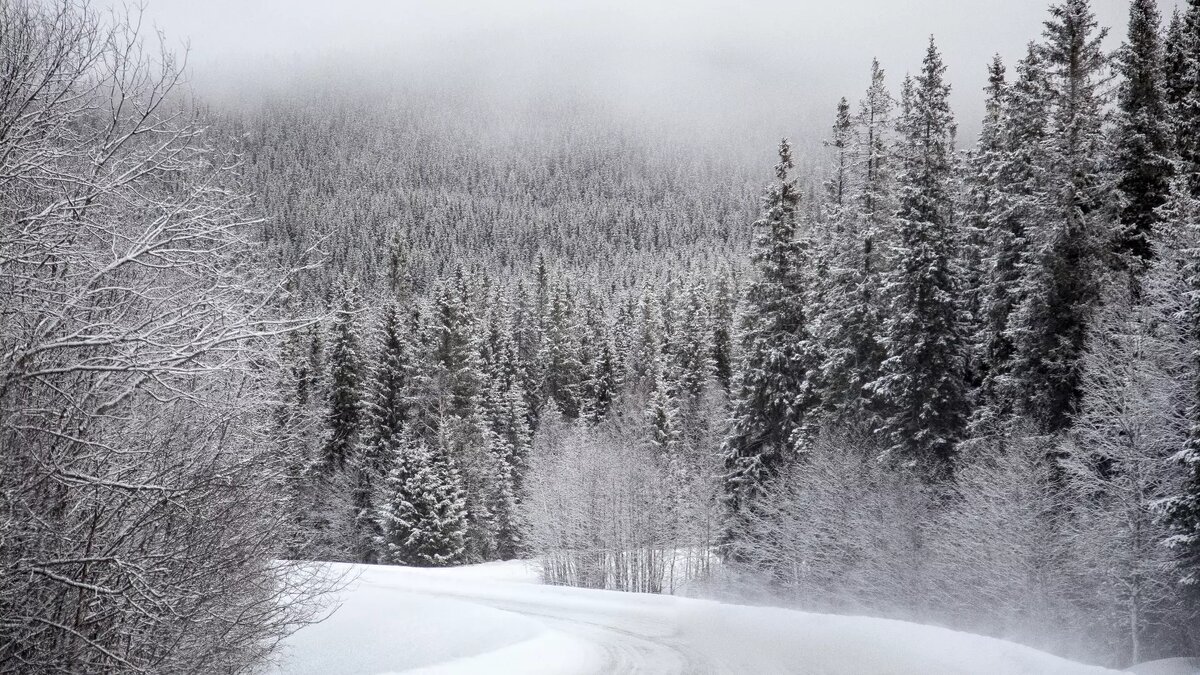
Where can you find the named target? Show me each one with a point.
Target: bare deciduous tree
(141, 501)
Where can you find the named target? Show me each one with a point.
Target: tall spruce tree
(724, 303)
(1018, 185)
(389, 398)
(980, 202)
(1180, 263)
(663, 410)
(693, 346)
(851, 315)
(1061, 284)
(776, 393)
(1186, 99)
(838, 187)
(561, 354)
(1175, 48)
(506, 410)
(923, 384)
(387, 415)
(1142, 153)
(344, 417)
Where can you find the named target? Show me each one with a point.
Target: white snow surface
(1177, 666)
(495, 618)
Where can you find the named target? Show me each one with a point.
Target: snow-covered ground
(1176, 666)
(496, 618)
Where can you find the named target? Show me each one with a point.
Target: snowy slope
(495, 618)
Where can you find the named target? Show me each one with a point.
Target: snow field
(496, 619)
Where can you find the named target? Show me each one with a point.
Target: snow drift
(495, 618)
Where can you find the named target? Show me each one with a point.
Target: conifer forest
(938, 370)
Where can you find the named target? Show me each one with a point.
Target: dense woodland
(956, 385)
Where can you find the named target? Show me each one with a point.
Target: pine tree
(604, 381)
(923, 377)
(650, 336)
(663, 412)
(388, 411)
(507, 413)
(980, 202)
(1178, 268)
(344, 416)
(529, 338)
(1060, 285)
(693, 346)
(724, 304)
(838, 187)
(1019, 200)
(874, 126)
(849, 325)
(457, 349)
(311, 387)
(399, 276)
(422, 516)
(1183, 215)
(1143, 143)
(564, 371)
(1175, 65)
(776, 393)
(1185, 97)
(461, 428)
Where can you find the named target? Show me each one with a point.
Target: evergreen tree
(344, 416)
(693, 346)
(874, 126)
(1181, 254)
(922, 382)
(564, 370)
(1019, 199)
(776, 392)
(604, 382)
(663, 412)
(456, 349)
(851, 317)
(1175, 66)
(389, 407)
(1061, 282)
(724, 304)
(1143, 146)
(529, 338)
(387, 414)
(837, 188)
(422, 516)
(1179, 271)
(311, 387)
(1185, 97)
(980, 202)
(507, 412)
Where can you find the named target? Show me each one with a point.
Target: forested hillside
(440, 182)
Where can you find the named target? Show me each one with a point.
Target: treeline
(968, 386)
(418, 419)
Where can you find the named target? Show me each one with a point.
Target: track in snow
(496, 619)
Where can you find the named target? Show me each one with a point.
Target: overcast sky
(775, 65)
